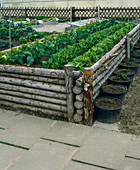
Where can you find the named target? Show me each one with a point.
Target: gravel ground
(130, 115)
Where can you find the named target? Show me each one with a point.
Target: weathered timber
(33, 84)
(134, 30)
(88, 91)
(77, 89)
(107, 55)
(78, 118)
(33, 71)
(33, 91)
(34, 97)
(69, 93)
(37, 78)
(79, 81)
(108, 74)
(134, 39)
(79, 97)
(35, 109)
(128, 46)
(96, 94)
(77, 74)
(31, 102)
(105, 65)
(78, 104)
(108, 67)
(37, 71)
(79, 111)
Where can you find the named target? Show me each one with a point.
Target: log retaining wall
(62, 93)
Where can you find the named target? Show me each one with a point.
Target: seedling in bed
(111, 101)
(114, 88)
(125, 70)
(119, 76)
(130, 63)
(132, 59)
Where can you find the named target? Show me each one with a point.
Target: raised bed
(66, 94)
(95, 76)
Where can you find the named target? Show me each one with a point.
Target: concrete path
(60, 27)
(32, 143)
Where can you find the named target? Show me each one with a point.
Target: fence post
(127, 46)
(98, 11)
(69, 87)
(88, 96)
(25, 12)
(72, 14)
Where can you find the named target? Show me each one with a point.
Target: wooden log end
(78, 118)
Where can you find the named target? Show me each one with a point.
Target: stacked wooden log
(79, 100)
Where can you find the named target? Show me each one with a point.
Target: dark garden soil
(108, 103)
(126, 71)
(114, 78)
(129, 64)
(130, 114)
(132, 60)
(135, 54)
(14, 41)
(114, 88)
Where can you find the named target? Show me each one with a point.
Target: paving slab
(45, 155)
(26, 131)
(134, 149)
(9, 155)
(69, 133)
(106, 126)
(9, 118)
(80, 166)
(131, 164)
(104, 148)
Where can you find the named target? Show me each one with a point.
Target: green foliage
(125, 70)
(47, 19)
(114, 88)
(121, 76)
(22, 40)
(79, 47)
(132, 59)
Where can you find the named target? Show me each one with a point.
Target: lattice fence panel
(84, 13)
(33, 12)
(120, 13)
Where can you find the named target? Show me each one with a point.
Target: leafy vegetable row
(31, 53)
(97, 51)
(55, 43)
(66, 55)
(18, 30)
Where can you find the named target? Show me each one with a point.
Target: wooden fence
(40, 90)
(95, 76)
(75, 13)
(62, 93)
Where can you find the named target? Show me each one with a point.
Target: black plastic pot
(116, 95)
(135, 55)
(107, 115)
(135, 60)
(125, 83)
(135, 68)
(129, 75)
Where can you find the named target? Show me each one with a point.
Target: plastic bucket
(120, 95)
(107, 115)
